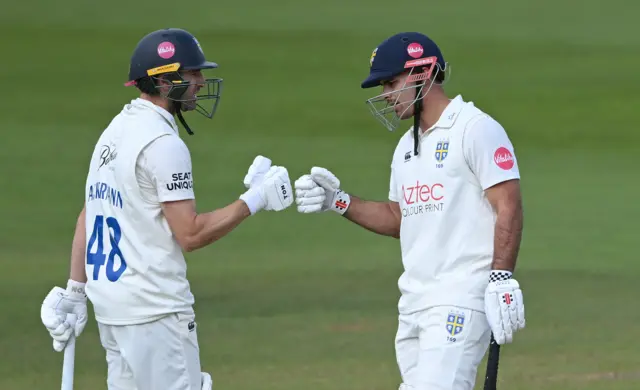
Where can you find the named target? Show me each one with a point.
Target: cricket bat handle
(69, 356)
(491, 377)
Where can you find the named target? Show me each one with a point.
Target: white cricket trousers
(441, 348)
(159, 355)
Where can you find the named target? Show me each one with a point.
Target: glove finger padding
(310, 200)
(314, 192)
(304, 183)
(58, 346)
(325, 178)
(64, 336)
(521, 318)
(258, 168)
(62, 331)
(492, 311)
(314, 208)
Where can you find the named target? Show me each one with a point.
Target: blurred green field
(293, 301)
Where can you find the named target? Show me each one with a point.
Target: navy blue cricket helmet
(400, 53)
(163, 54)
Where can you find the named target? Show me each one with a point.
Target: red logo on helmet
(503, 158)
(166, 50)
(415, 50)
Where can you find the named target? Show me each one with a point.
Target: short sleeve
(393, 188)
(490, 153)
(167, 162)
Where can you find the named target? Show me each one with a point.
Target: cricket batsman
(139, 216)
(454, 203)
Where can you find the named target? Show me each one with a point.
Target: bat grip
(491, 377)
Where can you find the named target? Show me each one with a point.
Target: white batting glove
(257, 170)
(270, 190)
(504, 306)
(320, 191)
(55, 307)
(206, 380)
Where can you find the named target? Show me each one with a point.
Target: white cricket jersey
(447, 228)
(135, 268)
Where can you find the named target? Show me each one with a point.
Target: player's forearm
(78, 247)
(508, 234)
(374, 216)
(212, 226)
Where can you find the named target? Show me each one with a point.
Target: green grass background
(291, 301)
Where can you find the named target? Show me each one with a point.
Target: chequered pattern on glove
(497, 276)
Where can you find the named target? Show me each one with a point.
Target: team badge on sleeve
(455, 323)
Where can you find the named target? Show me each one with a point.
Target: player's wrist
(75, 289)
(341, 202)
(497, 275)
(253, 199)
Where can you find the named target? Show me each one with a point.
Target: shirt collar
(449, 115)
(143, 103)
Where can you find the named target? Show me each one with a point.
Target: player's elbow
(184, 224)
(395, 220)
(393, 231)
(189, 243)
(186, 243)
(195, 241)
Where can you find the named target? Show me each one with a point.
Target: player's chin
(189, 105)
(403, 113)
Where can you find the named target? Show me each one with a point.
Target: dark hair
(148, 85)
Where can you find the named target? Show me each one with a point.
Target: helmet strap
(178, 107)
(417, 111)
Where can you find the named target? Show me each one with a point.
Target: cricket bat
(69, 356)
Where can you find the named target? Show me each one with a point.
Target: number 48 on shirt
(98, 258)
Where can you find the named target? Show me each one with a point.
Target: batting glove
(206, 380)
(320, 191)
(55, 307)
(269, 187)
(504, 306)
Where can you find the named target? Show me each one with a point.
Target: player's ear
(162, 81)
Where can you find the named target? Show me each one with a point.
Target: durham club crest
(455, 323)
(442, 151)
